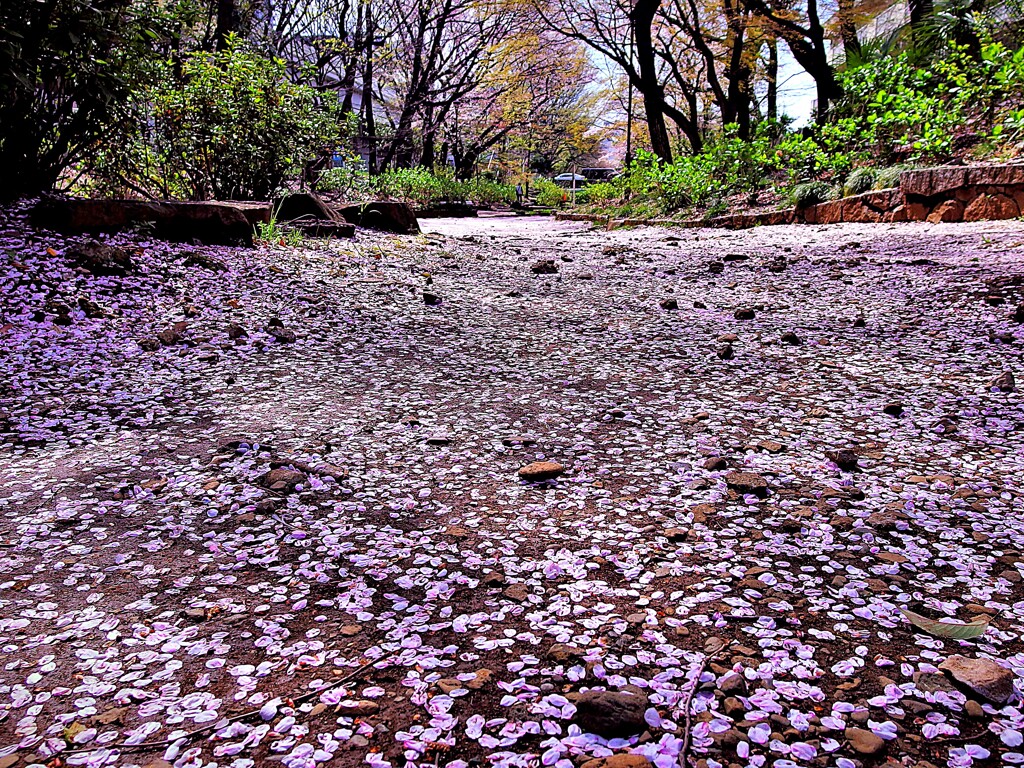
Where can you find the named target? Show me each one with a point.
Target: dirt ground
(303, 540)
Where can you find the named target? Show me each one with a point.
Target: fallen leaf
(948, 629)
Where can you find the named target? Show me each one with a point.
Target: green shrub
(230, 126)
(417, 186)
(549, 194)
(811, 193)
(893, 107)
(599, 192)
(887, 178)
(859, 181)
(66, 69)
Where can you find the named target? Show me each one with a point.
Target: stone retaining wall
(948, 193)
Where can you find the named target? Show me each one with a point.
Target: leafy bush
(887, 178)
(811, 193)
(549, 194)
(859, 181)
(895, 108)
(418, 186)
(596, 193)
(66, 66)
(230, 126)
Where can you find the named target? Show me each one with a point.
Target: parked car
(566, 179)
(599, 174)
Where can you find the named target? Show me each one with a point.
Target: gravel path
(303, 540)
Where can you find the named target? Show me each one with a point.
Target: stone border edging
(936, 195)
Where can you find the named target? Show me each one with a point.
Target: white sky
(796, 89)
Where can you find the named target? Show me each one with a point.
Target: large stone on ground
(983, 677)
(322, 228)
(218, 223)
(450, 210)
(386, 216)
(305, 206)
(611, 714)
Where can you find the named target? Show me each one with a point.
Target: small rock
(544, 267)
(882, 521)
(863, 741)
(893, 409)
(619, 761)
(844, 458)
(563, 653)
(281, 479)
(111, 716)
(362, 708)
(715, 463)
(448, 684)
(172, 335)
(149, 344)
(733, 683)
(91, 308)
(974, 709)
(431, 300)
(235, 331)
(677, 534)
(744, 313)
(493, 579)
(984, 677)
(516, 441)
(747, 482)
(1018, 315)
(540, 470)
(517, 592)
(725, 352)
(791, 338)
(670, 304)
(194, 614)
(439, 440)
(351, 630)
(483, 677)
(734, 707)
(611, 714)
(282, 335)
(1004, 382)
(195, 259)
(860, 322)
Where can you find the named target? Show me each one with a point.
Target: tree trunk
(651, 90)
(772, 106)
(848, 30)
(227, 22)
